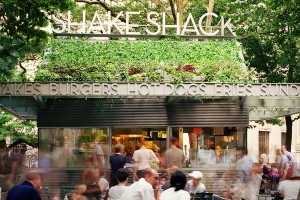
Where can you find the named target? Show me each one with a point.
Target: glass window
(209, 145)
(155, 138)
(72, 147)
(263, 142)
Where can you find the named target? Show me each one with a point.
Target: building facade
(267, 138)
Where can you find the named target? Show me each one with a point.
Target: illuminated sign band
(105, 25)
(147, 89)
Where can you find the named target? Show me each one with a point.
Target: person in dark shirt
(117, 161)
(28, 190)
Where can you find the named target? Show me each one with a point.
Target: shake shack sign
(157, 24)
(146, 89)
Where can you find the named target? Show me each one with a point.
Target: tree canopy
(270, 33)
(17, 128)
(20, 34)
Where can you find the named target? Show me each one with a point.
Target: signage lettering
(103, 24)
(148, 89)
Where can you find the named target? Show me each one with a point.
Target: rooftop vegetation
(143, 60)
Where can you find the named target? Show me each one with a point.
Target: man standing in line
(117, 161)
(144, 188)
(28, 190)
(174, 156)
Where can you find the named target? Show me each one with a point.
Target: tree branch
(23, 68)
(172, 5)
(162, 7)
(104, 5)
(296, 118)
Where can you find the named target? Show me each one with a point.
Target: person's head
(174, 141)
(151, 176)
(141, 142)
(35, 178)
(119, 148)
(283, 148)
(122, 175)
(277, 152)
(241, 151)
(90, 176)
(178, 180)
(196, 177)
(172, 170)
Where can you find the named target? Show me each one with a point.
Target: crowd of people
(246, 180)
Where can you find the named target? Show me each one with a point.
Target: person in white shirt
(195, 185)
(176, 191)
(103, 184)
(288, 156)
(244, 167)
(116, 191)
(289, 188)
(144, 188)
(142, 158)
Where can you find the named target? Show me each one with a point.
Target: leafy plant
(21, 36)
(17, 128)
(74, 60)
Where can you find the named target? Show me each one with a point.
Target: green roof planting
(143, 60)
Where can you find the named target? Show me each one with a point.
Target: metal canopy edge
(264, 101)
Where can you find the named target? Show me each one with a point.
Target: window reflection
(71, 147)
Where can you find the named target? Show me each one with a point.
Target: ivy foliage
(134, 61)
(17, 128)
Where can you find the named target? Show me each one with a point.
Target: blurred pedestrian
(244, 167)
(117, 161)
(225, 185)
(28, 190)
(8, 167)
(154, 164)
(142, 158)
(265, 185)
(288, 156)
(289, 188)
(280, 160)
(176, 191)
(275, 176)
(144, 189)
(99, 155)
(263, 158)
(194, 185)
(170, 171)
(90, 187)
(116, 191)
(174, 156)
(103, 184)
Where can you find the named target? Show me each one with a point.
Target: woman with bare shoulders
(142, 158)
